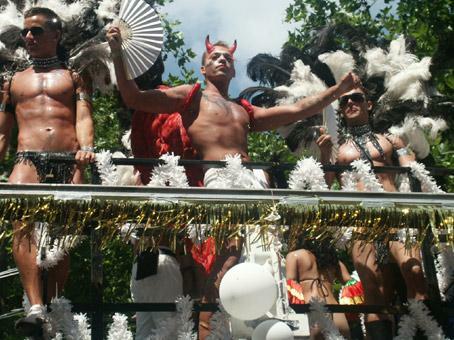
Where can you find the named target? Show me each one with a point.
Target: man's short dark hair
(53, 20)
(218, 43)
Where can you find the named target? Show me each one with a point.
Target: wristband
(87, 148)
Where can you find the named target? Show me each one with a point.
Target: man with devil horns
(216, 125)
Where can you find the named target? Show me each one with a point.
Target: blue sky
(258, 26)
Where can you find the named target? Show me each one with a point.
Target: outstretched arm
(155, 101)
(271, 118)
(6, 120)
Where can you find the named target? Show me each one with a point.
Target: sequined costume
(50, 166)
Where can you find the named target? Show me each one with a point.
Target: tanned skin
(377, 285)
(48, 119)
(217, 126)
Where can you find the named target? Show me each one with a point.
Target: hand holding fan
(142, 35)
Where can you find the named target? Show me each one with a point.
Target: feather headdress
(397, 82)
(84, 23)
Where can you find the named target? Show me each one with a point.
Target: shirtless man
(369, 260)
(216, 125)
(52, 109)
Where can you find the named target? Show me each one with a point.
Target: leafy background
(428, 22)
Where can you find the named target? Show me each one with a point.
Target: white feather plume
(376, 62)
(419, 132)
(407, 84)
(10, 15)
(107, 10)
(339, 63)
(304, 83)
(64, 10)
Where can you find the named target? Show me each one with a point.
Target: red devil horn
(209, 46)
(232, 49)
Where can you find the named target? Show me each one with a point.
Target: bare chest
(350, 151)
(219, 111)
(56, 85)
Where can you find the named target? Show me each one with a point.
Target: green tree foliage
(429, 23)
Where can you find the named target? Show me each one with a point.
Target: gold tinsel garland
(170, 220)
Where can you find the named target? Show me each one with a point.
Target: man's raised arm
(274, 117)
(156, 101)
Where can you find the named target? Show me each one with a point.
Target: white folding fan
(142, 35)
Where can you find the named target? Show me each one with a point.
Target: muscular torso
(217, 127)
(45, 110)
(348, 152)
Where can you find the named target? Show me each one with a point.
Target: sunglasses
(354, 97)
(35, 31)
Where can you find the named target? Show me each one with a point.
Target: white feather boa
(418, 317)
(307, 175)
(55, 248)
(319, 317)
(180, 327)
(220, 325)
(119, 329)
(362, 172)
(169, 174)
(444, 264)
(110, 174)
(62, 323)
(428, 184)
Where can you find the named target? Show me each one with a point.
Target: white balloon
(272, 330)
(248, 291)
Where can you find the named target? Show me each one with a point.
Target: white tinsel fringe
(220, 325)
(419, 317)
(169, 174)
(55, 248)
(197, 232)
(119, 329)
(319, 317)
(65, 324)
(233, 176)
(184, 321)
(444, 264)
(110, 174)
(106, 169)
(362, 172)
(428, 184)
(126, 140)
(181, 327)
(307, 175)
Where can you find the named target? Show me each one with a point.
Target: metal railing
(98, 308)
